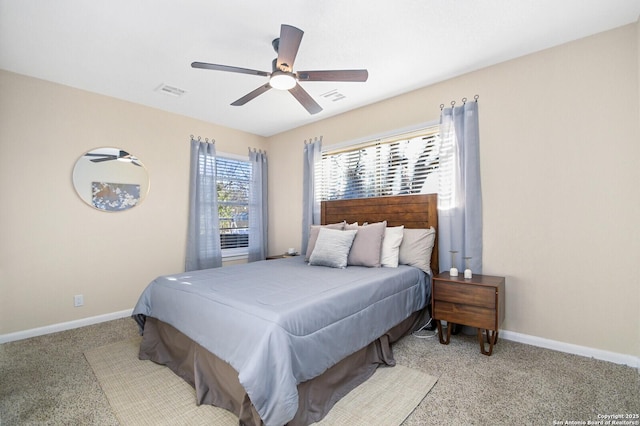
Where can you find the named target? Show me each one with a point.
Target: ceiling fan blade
(305, 99)
(251, 95)
(107, 158)
(290, 38)
(216, 67)
(333, 75)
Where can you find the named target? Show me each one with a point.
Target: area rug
(145, 393)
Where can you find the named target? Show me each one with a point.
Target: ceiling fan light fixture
(282, 80)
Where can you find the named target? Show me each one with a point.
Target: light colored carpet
(46, 381)
(144, 393)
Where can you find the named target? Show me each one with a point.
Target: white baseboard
(616, 358)
(54, 328)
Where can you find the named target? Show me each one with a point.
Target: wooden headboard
(412, 211)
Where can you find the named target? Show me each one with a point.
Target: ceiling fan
(121, 155)
(282, 76)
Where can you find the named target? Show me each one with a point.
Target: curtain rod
(464, 101)
(310, 141)
(205, 139)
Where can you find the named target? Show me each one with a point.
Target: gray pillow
(416, 247)
(332, 248)
(313, 236)
(367, 245)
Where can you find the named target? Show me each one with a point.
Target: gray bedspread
(282, 322)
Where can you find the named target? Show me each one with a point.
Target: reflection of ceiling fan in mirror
(119, 155)
(282, 76)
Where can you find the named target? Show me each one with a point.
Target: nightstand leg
(491, 339)
(440, 336)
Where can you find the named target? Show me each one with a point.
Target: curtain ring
(453, 103)
(441, 107)
(464, 100)
(476, 97)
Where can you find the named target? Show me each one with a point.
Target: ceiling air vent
(170, 90)
(334, 95)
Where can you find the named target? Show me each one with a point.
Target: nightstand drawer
(467, 294)
(473, 316)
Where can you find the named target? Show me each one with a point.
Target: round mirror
(110, 179)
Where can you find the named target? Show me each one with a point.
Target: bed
(281, 341)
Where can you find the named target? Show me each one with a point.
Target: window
(233, 177)
(404, 164)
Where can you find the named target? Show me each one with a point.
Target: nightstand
(476, 302)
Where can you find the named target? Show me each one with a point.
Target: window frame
(236, 252)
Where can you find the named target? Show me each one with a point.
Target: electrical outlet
(78, 300)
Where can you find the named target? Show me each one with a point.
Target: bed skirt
(216, 382)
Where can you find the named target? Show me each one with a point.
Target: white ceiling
(128, 48)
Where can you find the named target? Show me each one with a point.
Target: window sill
(231, 257)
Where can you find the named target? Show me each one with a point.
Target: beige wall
(560, 143)
(637, 319)
(559, 155)
(52, 245)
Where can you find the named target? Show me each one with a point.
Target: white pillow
(332, 248)
(391, 246)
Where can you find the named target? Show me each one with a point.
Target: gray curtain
(258, 206)
(310, 205)
(460, 194)
(203, 232)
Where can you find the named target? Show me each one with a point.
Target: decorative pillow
(349, 226)
(313, 236)
(332, 248)
(416, 247)
(367, 245)
(391, 246)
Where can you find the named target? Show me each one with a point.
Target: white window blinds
(404, 164)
